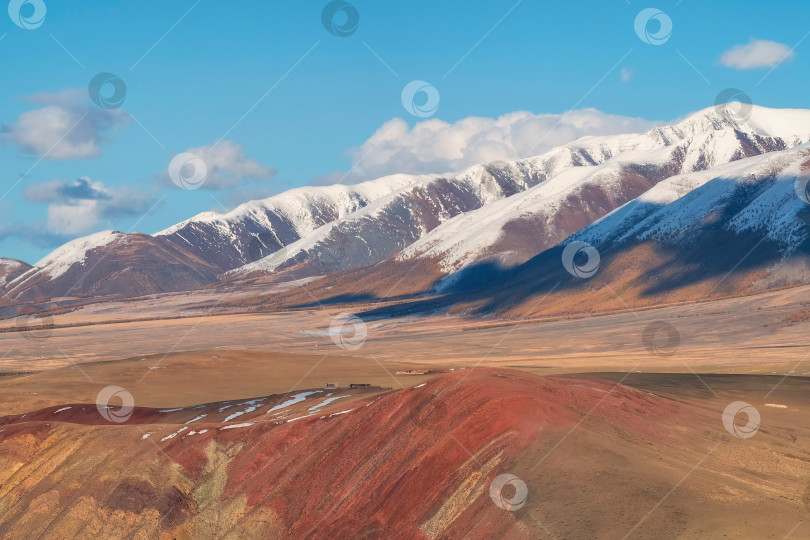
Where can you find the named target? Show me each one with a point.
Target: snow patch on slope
(10, 263)
(74, 252)
(296, 205)
(706, 139)
(461, 241)
(675, 207)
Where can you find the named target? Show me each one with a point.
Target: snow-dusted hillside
(10, 269)
(393, 222)
(754, 195)
(512, 211)
(736, 229)
(112, 263)
(62, 259)
(507, 212)
(258, 228)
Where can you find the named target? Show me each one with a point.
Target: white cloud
(78, 218)
(626, 74)
(435, 146)
(758, 53)
(81, 206)
(65, 127)
(227, 166)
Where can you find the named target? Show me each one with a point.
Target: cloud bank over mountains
(436, 146)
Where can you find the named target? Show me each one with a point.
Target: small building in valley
(412, 372)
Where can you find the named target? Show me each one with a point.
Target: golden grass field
(758, 334)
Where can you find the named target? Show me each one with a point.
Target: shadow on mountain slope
(713, 262)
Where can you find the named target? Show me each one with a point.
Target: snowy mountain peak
(10, 263)
(783, 123)
(63, 258)
(293, 203)
(762, 189)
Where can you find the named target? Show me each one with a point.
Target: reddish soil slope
(412, 463)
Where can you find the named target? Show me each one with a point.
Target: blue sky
(196, 73)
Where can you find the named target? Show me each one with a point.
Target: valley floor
(766, 333)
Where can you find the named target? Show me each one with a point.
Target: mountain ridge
(726, 141)
(502, 212)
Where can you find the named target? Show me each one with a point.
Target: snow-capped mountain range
(756, 194)
(547, 214)
(512, 211)
(504, 212)
(736, 229)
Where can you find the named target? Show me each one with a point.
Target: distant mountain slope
(258, 228)
(113, 263)
(512, 211)
(393, 222)
(756, 195)
(10, 269)
(515, 229)
(499, 213)
(738, 229)
(192, 253)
